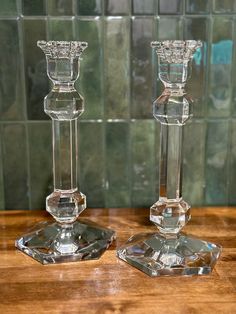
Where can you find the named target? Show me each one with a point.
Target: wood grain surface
(109, 285)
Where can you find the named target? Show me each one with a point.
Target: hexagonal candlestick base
(160, 256)
(53, 243)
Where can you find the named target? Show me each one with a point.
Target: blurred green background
(118, 138)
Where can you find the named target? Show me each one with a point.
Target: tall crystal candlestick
(169, 252)
(66, 239)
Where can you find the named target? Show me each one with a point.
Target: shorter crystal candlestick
(169, 252)
(67, 239)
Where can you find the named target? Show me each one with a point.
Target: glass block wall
(118, 138)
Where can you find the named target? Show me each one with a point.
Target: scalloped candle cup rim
(61, 43)
(176, 51)
(177, 44)
(62, 49)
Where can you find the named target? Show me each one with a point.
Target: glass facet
(66, 239)
(170, 252)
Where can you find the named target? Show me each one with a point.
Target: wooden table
(109, 285)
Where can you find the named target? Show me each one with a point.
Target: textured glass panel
(60, 7)
(35, 68)
(15, 166)
(232, 154)
(114, 7)
(117, 165)
(91, 157)
(193, 162)
(8, 7)
(198, 28)
(90, 81)
(233, 78)
(60, 29)
(91, 7)
(11, 83)
(143, 7)
(224, 6)
(141, 58)
(40, 163)
(170, 6)
(216, 162)
(33, 7)
(143, 163)
(117, 74)
(119, 53)
(170, 28)
(2, 196)
(198, 6)
(220, 70)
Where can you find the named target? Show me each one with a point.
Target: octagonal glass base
(160, 256)
(53, 243)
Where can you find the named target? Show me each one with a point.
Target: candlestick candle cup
(67, 239)
(170, 252)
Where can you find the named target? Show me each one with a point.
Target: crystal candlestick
(66, 239)
(170, 252)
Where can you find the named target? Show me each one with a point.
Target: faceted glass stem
(171, 162)
(172, 109)
(65, 156)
